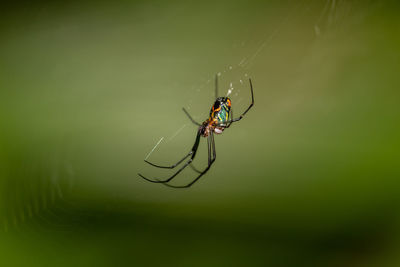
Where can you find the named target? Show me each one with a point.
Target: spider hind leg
(211, 159)
(192, 153)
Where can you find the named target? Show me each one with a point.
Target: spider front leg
(216, 96)
(244, 113)
(192, 153)
(190, 117)
(216, 86)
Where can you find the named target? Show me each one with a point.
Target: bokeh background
(308, 178)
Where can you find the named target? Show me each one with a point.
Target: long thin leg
(216, 86)
(190, 117)
(198, 124)
(213, 150)
(209, 147)
(192, 152)
(216, 96)
(244, 113)
(194, 168)
(180, 161)
(213, 147)
(172, 166)
(251, 105)
(211, 160)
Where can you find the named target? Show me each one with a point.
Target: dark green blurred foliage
(308, 178)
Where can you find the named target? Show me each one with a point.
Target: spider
(221, 117)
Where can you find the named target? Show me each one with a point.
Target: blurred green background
(308, 178)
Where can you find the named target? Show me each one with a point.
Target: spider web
(50, 181)
(39, 186)
(233, 79)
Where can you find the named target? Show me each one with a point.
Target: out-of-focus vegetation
(308, 178)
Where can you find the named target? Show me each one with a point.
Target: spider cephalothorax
(220, 118)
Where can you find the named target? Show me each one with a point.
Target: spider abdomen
(221, 109)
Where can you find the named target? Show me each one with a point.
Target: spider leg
(211, 159)
(244, 113)
(172, 166)
(192, 153)
(194, 168)
(181, 160)
(209, 149)
(190, 117)
(213, 147)
(251, 105)
(216, 86)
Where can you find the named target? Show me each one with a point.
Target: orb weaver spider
(219, 120)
